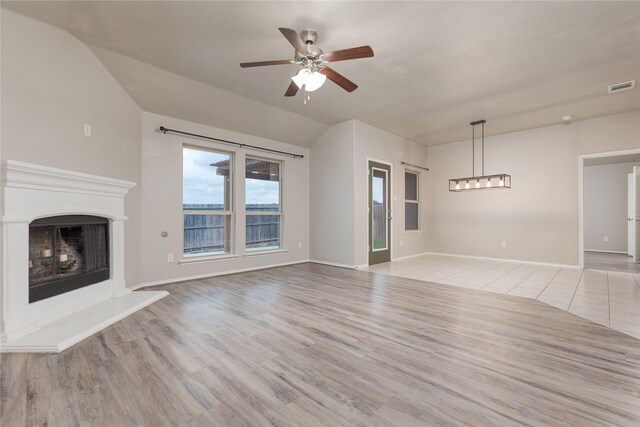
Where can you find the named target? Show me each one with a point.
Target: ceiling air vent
(619, 87)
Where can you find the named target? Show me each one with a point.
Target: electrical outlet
(170, 258)
(606, 238)
(87, 130)
(299, 245)
(503, 243)
(401, 243)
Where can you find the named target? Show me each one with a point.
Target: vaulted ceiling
(437, 65)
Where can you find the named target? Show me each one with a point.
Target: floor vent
(619, 87)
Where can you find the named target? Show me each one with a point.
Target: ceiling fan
(313, 60)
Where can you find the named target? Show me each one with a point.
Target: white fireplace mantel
(29, 192)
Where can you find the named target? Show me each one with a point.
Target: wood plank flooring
(610, 262)
(310, 345)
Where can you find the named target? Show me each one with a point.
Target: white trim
(258, 252)
(581, 159)
(334, 264)
(16, 174)
(606, 252)
(206, 275)
(549, 264)
(195, 259)
(410, 256)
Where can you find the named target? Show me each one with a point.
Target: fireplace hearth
(66, 253)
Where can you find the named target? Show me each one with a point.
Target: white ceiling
(437, 65)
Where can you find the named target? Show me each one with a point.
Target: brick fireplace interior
(66, 253)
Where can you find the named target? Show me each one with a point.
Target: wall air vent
(619, 87)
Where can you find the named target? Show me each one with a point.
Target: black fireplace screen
(66, 253)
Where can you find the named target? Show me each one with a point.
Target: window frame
(280, 162)
(410, 201)
(228, 212)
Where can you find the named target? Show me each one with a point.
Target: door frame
(581, 159)
(391, 205)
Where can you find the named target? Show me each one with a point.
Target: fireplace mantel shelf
(63, 333)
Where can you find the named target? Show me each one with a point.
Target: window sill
(265, 252)
(206, 258)
(414, 231)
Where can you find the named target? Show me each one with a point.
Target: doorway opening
(610, 211)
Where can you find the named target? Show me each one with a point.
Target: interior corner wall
(332, 196)
(538, 217)
(605, 207)
(372, 143)
(52, 85)
(162, 202)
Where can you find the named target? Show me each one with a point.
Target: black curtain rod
(415, 166)
(195, 135)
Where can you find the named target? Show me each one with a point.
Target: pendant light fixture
(483, 182)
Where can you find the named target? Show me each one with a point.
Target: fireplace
(61, 231)
(66, 253)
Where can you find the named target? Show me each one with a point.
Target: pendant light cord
(473, 150)
(483, 148)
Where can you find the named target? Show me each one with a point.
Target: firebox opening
(66, 253)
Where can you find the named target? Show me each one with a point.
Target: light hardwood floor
(316, 345)
(610, 262)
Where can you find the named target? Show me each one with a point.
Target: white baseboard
(333, 264)
(218, 273)
(607, 252)
(549, 264)
(410, 256)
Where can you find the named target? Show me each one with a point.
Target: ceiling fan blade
(264, 63)
(345, 54)
(339, 79)
(291, 90)
(294, 39)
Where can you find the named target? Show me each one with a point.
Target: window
(207, 206)
(411, 201)
(263, 207)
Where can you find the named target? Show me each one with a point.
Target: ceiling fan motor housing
(309, 36)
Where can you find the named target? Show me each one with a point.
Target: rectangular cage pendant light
(482, 182)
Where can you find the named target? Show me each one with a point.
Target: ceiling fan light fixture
(300, 79)
(311, 80)
(315, 81)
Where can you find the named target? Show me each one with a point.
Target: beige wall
(538, 217)
(339, 188)
(605, 206)
(162, 201)
(376, 144)
(332, 196)
(51, 85)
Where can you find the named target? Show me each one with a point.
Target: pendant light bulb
(489, 184)
(467, 186)
(457, 185)
(478, 184)
(501, 182)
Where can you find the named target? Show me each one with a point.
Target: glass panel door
(379, 213)
(379, 209)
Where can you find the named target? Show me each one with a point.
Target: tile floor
(606, 297)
